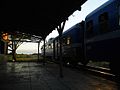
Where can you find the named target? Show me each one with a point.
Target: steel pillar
(38, 51)
(60, 31)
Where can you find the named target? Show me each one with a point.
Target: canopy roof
(36, 17)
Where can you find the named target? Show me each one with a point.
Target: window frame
(89, 28)
(68, 40)
(103, 20)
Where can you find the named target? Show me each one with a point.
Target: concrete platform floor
(35, 76)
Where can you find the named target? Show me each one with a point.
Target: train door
(114, 64)
(53, 49)
(89, 33)
(119, 14)
(56, 51)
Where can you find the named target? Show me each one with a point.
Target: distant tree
(16, 39)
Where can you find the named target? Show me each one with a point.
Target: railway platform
(36, 76)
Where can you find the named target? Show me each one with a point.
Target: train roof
(99, 8)
(50, 40)
(71, 28)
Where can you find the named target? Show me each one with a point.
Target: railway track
(97, 71)
(100, 72)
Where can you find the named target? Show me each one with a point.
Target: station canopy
(36, 17)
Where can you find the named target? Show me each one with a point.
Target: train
(70, 46)
(95, 38)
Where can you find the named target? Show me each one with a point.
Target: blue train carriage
(71, 45)
(102, 38)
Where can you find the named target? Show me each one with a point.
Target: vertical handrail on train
(83, 43)
(44, 51)
(39, 50)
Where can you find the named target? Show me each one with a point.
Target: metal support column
(38, 51)
(44, 52)
(60, 30)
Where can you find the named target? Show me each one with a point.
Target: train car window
(63, 41)
(103, 22)
(49, 45)
(68, 40)
(89, 28)
(52, 45)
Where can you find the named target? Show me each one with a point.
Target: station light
(5, 36)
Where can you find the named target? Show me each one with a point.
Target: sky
(77, 16)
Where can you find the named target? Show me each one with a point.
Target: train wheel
(85, 62)
(65, 61)
(72, 61)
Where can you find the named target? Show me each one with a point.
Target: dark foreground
(35, 76)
